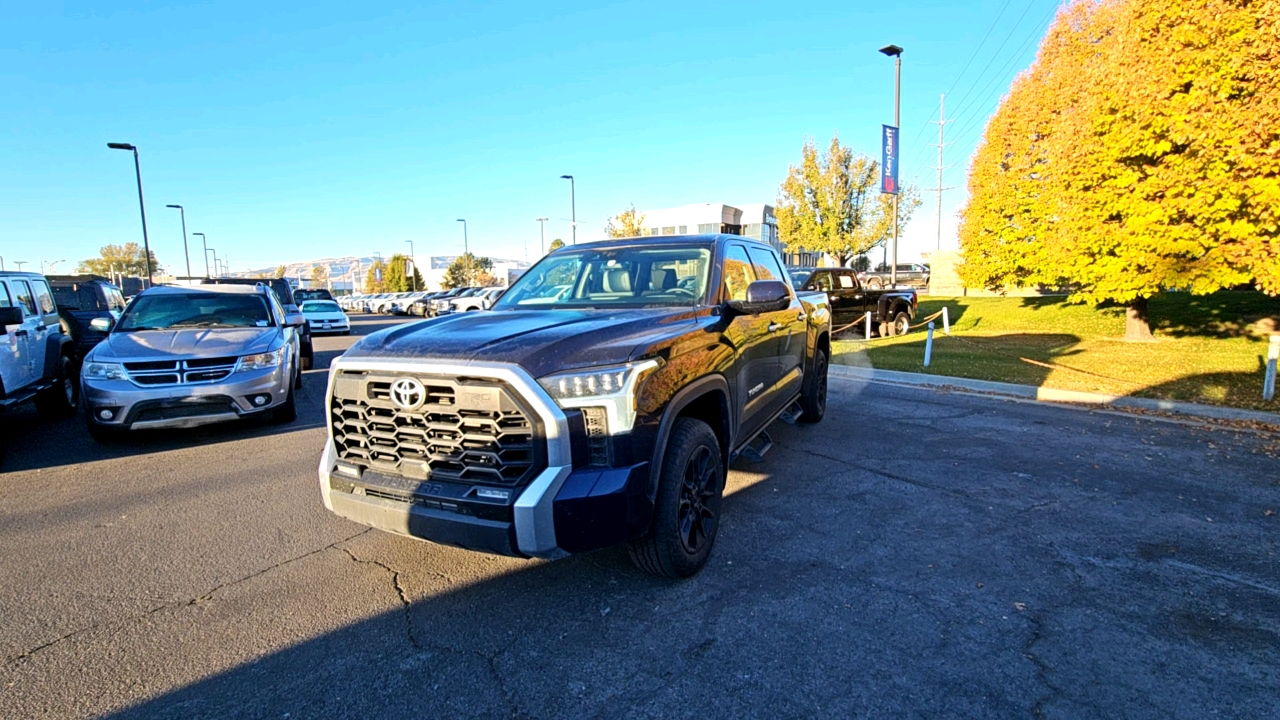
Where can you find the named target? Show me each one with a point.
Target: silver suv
(189, 356)
(36, 358)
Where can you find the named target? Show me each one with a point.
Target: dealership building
(754, 221)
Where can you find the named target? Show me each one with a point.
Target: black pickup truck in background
(81, 300)
(599, 402)
(891, 310)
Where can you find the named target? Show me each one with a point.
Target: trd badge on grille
(408, 393)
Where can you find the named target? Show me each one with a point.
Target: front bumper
(185, 405)
(320, 326)
(561, 510)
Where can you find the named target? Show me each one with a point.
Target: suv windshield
(195, 310)
(613, 277)
(302, 295)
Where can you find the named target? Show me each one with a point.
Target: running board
(756, 449)
(792, 414)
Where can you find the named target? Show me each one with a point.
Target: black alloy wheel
(698, 501)
(813, 404)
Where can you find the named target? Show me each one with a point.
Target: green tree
(129, 259)
(555, 245)
(628, 223)
(832, 203)
(319, 276)
(467, 270)
(1136, 155)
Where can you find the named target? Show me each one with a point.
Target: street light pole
(185, 250)
(542, 234)
(573, 207)
(137, 169)
(412, 283)
(204, 242)
(896, 53)
(466, 249)
(215, 259)
(20, 263)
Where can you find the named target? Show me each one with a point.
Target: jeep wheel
(687, 513)
(306, 354)
(60, 400)
(875, 283)
(814, 401)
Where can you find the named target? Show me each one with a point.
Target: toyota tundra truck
(599, 403)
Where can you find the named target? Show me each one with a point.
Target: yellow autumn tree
(1140, 153)
(626, 224)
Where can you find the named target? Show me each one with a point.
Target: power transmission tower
(941, 122)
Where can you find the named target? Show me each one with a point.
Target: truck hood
(540, 341)
(185, 343)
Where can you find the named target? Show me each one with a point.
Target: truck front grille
(465, 430)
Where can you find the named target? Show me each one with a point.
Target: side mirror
(294, 321)
(763, 296)
(101, 324)
(10, 316)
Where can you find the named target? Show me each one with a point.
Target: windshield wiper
(207, 324)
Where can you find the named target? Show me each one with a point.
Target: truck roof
(709, 239)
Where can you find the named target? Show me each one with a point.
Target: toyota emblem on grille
(408, 393)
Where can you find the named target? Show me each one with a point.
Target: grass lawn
(1208, 349)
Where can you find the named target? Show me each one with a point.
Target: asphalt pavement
(917, 554)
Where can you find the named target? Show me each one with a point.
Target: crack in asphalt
(404, 598)
(882, 473)
(1042, 667)
(26, 654)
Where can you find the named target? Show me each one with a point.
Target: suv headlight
(103, 371)
(261, 361)
(612, 388)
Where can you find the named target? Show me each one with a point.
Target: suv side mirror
(101, 324)
(763, 296)
(10, 316)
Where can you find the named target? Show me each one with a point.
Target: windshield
(615, 277)
(798, 276)
(311, 294)
(319, 306)
(195, 310)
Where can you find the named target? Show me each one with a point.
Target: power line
(969, 62)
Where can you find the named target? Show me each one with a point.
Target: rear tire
(61, 400)
(686, 515)
(901, 324)
(875, 283)
(307, 354)
(814, 401)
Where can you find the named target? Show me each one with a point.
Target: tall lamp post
(20, 263)
(542, 234)
(895, 52)
(137, 169)
(573, 207)
(204, 242)
(215, 258)
(185, 250)
(466, 249)
(413, 284)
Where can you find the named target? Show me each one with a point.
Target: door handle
(773, 327)
(801, 317)
(20, 333)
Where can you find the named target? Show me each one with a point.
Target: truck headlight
(612, 388)
(261, 361)
(103, 371)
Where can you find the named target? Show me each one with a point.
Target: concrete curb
(1045, 394)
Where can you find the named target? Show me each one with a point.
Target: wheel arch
(705, 399)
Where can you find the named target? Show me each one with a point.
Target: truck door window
(822, 281)
(23, 295)
(737, 273)
(846, 281)
(766, 265)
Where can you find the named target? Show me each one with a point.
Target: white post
(1273, 355)
(946, 321)
(928, 346)
(867, 322)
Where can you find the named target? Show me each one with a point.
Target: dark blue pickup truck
(599, 402)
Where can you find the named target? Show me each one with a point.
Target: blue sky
(293, 133)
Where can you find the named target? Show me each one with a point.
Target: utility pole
(942, 124)
(542, 234)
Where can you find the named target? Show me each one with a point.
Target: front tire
(61, 400)
(814, 401)
(686, 515)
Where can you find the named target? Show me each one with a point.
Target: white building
(754, 221)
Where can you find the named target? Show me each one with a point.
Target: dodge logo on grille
(408, 393)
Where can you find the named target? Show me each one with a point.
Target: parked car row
(423, 303)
